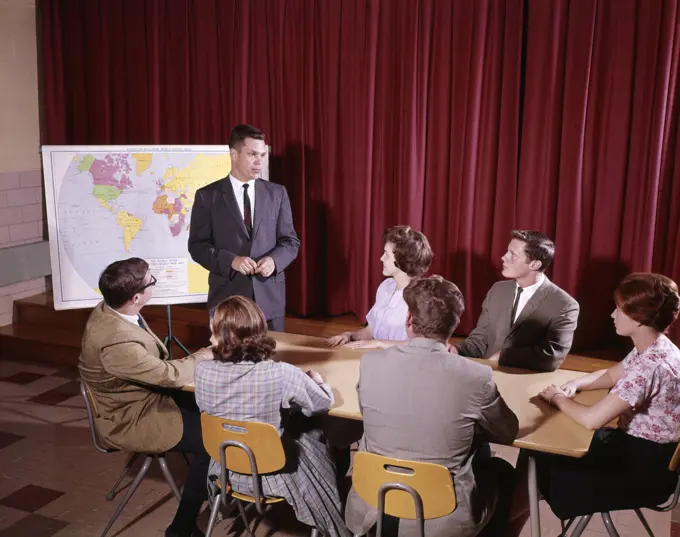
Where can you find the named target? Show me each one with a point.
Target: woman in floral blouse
(626, 467)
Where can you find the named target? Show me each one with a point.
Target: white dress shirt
(527, 293)
(134, 319)
(238, 194)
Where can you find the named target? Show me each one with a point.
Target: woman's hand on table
(315, 376)
(570, 388)
(365, 344)
(552, 392)
(340, 339)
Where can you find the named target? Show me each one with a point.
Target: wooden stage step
(40, 333)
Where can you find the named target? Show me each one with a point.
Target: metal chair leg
(168, 476)
(213, 516)
(581, 525)
(244, 518)
(565, 526)
(133, 487)
(112, 493)
(642, 518)
(609, 525)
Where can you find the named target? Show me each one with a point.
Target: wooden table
(541, 427)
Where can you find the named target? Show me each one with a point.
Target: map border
(53, 222)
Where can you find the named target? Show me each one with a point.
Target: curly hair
(435, 305)
(412, 252)
(240, 331)
(650, 299)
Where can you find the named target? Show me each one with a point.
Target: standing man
(242, 231)
(527, 321)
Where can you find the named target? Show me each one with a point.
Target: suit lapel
(159, 343)
(232, 205)
(261, 203)
(533, 304)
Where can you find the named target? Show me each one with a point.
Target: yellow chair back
(262, 438)
(432, 482)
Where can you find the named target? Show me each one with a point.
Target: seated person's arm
(497, 422)
(360, 335)
(476, 344)
(549, 353)
(591, 417)
(129, 360)
(306, 392)
(604, 379)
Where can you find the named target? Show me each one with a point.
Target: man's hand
(244, 265)
(265, 266)
(315, 376)
(452, 348)
(494, 357)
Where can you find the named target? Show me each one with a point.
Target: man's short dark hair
(122, 280)
(239, 134)
(435, 305)
(537, 247)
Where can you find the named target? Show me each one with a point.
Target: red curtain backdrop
(463, 118)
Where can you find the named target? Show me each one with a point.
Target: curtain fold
(463, 118)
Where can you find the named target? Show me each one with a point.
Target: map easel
(167, 341)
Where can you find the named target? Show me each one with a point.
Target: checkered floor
(53, 483)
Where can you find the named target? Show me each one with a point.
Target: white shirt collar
(131, 318)
(237, 185)
(531, 289)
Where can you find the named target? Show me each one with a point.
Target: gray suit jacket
(218, 234)
(421, 403)
(539, 339)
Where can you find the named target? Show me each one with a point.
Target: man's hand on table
(315, 376)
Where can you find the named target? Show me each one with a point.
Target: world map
(108, 206)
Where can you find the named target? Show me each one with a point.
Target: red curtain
(464, 118)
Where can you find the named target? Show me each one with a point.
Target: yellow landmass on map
(131, 225)
(203, 170)
(198, 279)
(104, 204)
(143, 162)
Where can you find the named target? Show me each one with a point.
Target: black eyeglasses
(150, 284)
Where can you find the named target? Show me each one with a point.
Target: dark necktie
(141, 323)
(514, 306)
(247, 218)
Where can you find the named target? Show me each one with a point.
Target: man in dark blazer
(527, 321)
(242, 230)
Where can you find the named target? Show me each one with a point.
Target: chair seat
(248, 498)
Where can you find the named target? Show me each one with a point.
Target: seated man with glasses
(125, 367)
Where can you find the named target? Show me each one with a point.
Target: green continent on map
(105, 193)
(86, 163)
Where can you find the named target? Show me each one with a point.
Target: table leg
(533, 497)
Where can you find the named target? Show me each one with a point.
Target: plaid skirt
(307, 482)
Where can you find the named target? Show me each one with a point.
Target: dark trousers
(195, 488)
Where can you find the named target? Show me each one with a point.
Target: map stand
(170, 338)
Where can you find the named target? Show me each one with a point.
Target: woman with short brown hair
(625, 467)
(243, 383)
(406, 255)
